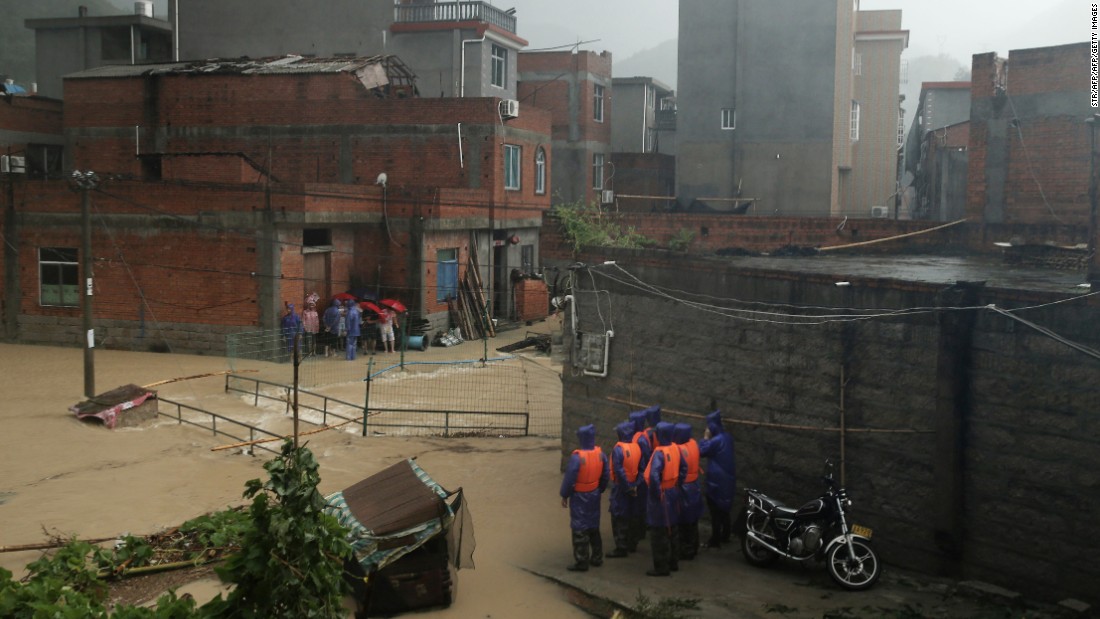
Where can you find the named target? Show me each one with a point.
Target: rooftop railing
(439, 12)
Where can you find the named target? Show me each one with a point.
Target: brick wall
(1038, 172)
(31, 115)
(1030, 441)
(532, 299)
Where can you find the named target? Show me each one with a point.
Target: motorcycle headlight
(847, 503)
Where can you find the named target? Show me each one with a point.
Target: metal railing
(429, 12)
(253, 431)
(287, 391)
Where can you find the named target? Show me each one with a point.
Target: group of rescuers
(654, 477)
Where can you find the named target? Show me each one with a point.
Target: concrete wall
(752, 56)
(1012, 408)
(234, 28)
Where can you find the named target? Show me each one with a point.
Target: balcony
(426, 12)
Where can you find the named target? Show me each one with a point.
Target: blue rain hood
(714, 423)
(638, 417)
(664, 433)
(681, 433)
(653, 415)
(625, 430)
(587, 436)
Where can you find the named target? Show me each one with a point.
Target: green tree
(291, 559)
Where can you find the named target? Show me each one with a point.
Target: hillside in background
(17, 41)
(657, 62)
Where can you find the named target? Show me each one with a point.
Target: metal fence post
(366, 397)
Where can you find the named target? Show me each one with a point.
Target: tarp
(393, 512)
(107, 406)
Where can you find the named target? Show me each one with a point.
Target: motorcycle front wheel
(754, 553)
(854, 573)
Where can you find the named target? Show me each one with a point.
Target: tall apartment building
(788, 105)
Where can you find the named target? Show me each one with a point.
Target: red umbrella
(369, 305)
(343, 296)
(394, 305)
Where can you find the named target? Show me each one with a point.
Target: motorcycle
(817, 530)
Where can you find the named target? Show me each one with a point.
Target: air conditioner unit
(880, 212)
(509, 108)
(607, 196)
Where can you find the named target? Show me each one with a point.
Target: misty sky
(958, 28)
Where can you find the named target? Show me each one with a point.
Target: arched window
(540, 171)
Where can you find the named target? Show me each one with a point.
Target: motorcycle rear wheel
(854, 574)
(756, 554)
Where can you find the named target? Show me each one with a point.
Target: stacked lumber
(468, 309)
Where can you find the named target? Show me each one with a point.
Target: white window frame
(729, 119)
(540, 171)
(498, 65)
(512, 168)
(853, 128)
(857, 63)
(597, 102)
(598, 162)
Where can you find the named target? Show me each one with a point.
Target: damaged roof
(394, 69)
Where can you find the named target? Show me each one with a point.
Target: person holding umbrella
(387, 322)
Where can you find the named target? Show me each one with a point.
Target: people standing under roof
(626, 459)
(666, 471)
(691, 503)
(311, 326)
(332, 322)
(353, 320)
(721, 478)
(291, 326)
(586, 477)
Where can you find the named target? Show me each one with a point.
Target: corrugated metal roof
(279, 65)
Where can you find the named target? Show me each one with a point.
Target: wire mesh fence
(507, 396)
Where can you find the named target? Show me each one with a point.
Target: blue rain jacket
(721, 469)
(638, 419)
(584, 507)
(332, 317)
(623, 503)
(663, 506)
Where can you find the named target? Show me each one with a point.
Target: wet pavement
(725, 586)
(928, 269)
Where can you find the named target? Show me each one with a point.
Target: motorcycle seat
(769, 503)
(782, 510)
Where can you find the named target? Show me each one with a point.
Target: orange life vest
(672, 465)
(588, 476)
(691, 451)
(632, 457)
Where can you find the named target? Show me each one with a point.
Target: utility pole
(85, 182)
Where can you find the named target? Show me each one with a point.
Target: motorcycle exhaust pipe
(759, 540)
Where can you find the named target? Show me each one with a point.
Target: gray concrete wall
(1029, 447)
(632, 118)
(233, 28)
(761, 58)
(58, 53)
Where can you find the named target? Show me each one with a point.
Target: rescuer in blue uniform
(721, 478)
(691, 502)
(626, 476)
(586, 477)
(639, 529)
(666, 471)
(354, 323)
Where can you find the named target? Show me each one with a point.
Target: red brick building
(30, 146)
(1029, 155)
(576, 89)
(230, 188)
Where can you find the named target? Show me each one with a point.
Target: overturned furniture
(125, 406)
(409, 535)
